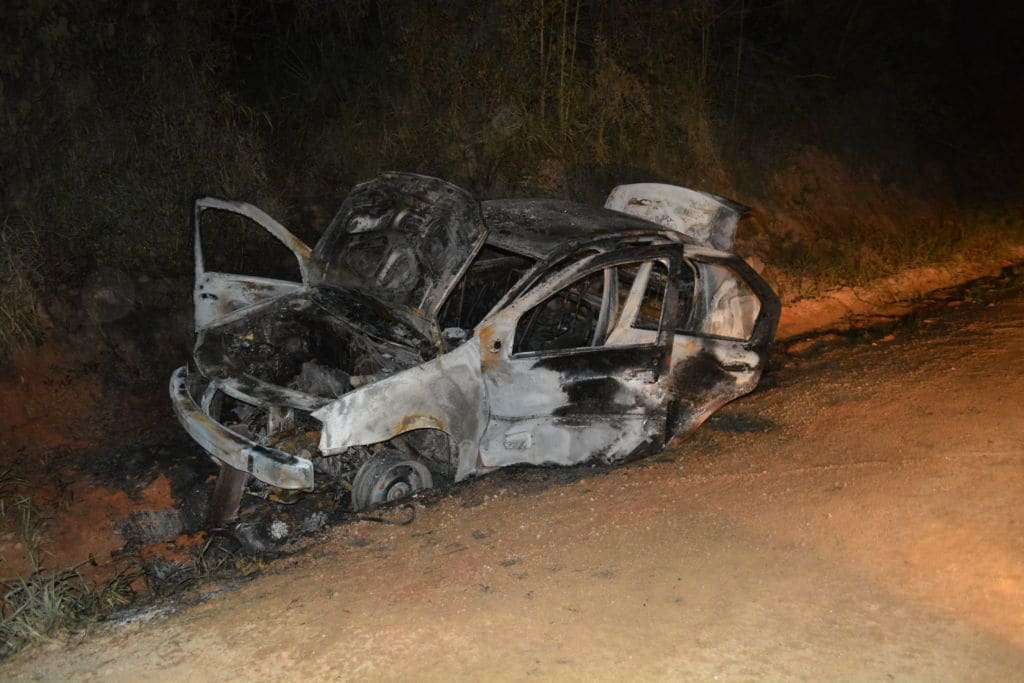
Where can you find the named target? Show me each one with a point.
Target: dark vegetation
(868, 135)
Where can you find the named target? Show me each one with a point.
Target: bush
(111, 125)
(116, 115)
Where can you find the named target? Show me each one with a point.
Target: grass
(49, 603)
(46, 603)
(9, 483)
(857, 256)
(827, 225)
(20, 319)
(803, 269)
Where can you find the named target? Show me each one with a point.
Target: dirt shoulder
(855, 518)
(890, 297)
(117, 490)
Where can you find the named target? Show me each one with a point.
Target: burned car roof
(538, 227)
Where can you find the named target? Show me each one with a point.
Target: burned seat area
(712, 301)
(569, 319)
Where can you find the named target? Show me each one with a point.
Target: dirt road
(858, 518)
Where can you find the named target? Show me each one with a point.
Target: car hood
(405, 238)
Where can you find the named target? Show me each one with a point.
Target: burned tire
(388, 477)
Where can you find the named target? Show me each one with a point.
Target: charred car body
(433, 335)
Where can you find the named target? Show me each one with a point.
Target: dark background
(867, 135)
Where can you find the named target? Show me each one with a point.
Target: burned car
(436, 336)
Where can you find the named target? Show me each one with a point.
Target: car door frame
(547, 435)
(709, 371)
(220, 298)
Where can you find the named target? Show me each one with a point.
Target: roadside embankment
(845, 308)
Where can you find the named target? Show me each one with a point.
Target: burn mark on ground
(739, 423)
(133, 468)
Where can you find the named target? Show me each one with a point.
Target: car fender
(445, 393)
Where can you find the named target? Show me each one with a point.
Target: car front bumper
(269, 465)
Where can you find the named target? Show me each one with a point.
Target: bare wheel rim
(386, 478)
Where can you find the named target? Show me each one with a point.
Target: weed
(20, 321)
(9, 484)
(35, 607)
(46, 602)
(31, 530)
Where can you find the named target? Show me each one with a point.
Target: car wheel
(388, 477)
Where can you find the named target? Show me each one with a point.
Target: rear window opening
(714, 301)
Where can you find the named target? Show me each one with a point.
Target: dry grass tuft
(829, 226)
(47, 603)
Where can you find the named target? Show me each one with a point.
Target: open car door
(725, 323)
(224, 297)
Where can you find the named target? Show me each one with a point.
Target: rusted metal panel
(270, 465)
(227, 495)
